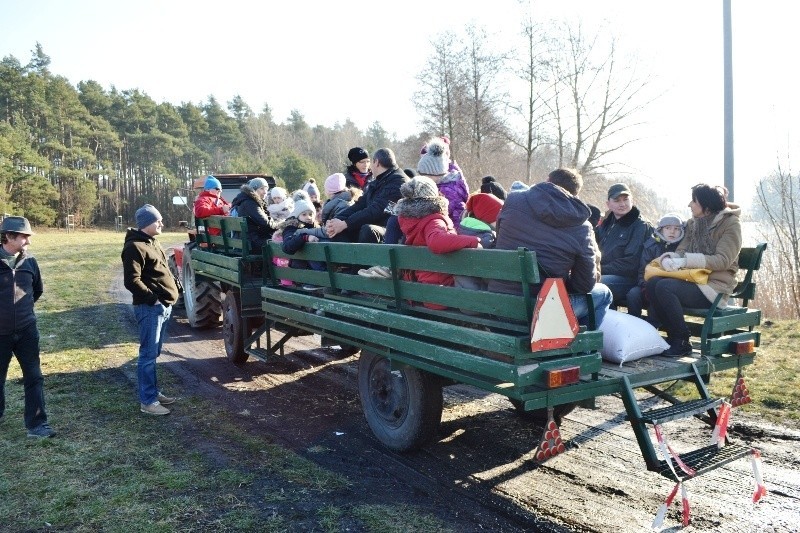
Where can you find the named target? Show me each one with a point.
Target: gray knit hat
(146, 215)
(301, 206)
(434, 162)
(257, 183)
(419, 187)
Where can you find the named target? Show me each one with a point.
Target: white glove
(671, 264)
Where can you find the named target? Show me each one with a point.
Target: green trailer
(414, 339)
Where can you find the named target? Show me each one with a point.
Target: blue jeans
(601, 297)
(619, 285)
(25, 345)
(152, 320)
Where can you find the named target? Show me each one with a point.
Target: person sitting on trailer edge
(249, 203)
(713, 241)
(210, 202)
(552, 221)
(422, 214)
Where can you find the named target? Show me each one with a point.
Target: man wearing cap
(621, 235)
(20, 287)
(147, 276)
(365, 220)
(210, 202)
(251, 203)
(551, 220)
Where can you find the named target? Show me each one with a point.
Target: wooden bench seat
(718, 326)
(481, 338)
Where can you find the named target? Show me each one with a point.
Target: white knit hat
(434, 162)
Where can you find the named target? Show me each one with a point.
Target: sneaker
(678, 348)
(165, 400)
(309, 287)
(42, 431)
(154, 408)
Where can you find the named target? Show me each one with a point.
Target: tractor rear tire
(403, 406)
(202, 299)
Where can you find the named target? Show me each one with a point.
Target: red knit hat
(484, 206)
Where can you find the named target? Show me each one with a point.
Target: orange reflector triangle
(554, 324)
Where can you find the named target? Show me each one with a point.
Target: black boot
(678, 348)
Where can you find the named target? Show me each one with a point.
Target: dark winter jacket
(621, 242)
(20, 288)
(654, 247)
(554, 224)
(145, 270)
(370, 207)
(260, 226)
(293, 241)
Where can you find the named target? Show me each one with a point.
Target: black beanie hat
(357, 154)
(491, 186)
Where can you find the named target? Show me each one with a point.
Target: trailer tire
(539, 416)
(232, 332)
(173, 267)
(202, 299)
(403, 407)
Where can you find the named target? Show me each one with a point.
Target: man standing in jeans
(20, 287)
(154, 291)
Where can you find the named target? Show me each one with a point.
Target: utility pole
(728, 101)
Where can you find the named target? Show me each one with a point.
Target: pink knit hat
(335, 183)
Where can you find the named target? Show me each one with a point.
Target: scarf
(361, 178)
(699, 235)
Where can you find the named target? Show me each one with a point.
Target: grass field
(111, 468)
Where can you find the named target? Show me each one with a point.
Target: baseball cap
(617, 189)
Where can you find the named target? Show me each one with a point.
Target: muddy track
(480, 474)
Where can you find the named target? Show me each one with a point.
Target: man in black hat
(147, 276)
(20, 287)
(621, 236)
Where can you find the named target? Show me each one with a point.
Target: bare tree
(593, 100)
(532, 69)
(441, 96)
(484, 98)
(779, 210)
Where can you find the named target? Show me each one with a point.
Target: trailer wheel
(202, 299)
(403, 407)
(539, 416)
(173, 267)
(232, 332)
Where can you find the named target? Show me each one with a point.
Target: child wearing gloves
(666, 238)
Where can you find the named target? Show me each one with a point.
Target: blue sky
(359, 60)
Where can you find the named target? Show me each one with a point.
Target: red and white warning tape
(721, 427)
(761, 489)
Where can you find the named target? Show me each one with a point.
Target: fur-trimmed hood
(247, 192)
(421, 207)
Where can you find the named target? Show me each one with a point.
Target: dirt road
(480, 474)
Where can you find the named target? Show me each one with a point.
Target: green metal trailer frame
(409, 350)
